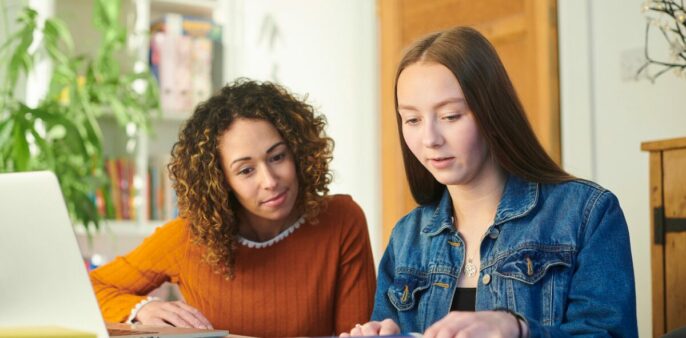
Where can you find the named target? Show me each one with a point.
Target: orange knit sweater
(317, 281)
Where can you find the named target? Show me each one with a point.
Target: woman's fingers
(177, 317)
(177, 314)
(156, 322)
(474, 324)
(373, 328)
(448, 326)
(198, 319)
(356, 331)
(388, 327)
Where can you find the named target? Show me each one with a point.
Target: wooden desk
(139, 327)
(668, 232)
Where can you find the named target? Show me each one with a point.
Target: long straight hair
(492, 99)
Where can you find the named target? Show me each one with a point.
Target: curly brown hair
(204, 197)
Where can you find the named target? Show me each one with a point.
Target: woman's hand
(477, 324)
(176, 313)
(382, 328)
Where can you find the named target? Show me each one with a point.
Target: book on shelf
(187, 25)
(121, 172)
(182, 53)
(162, 197)
(160, 194)
(115, 191)
(201, 70)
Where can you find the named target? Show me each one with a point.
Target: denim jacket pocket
(530, 265)
(404, 292)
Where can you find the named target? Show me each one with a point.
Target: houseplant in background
(669, 17)
(62, 131)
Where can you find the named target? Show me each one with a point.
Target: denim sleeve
(383, 309)
(602, 294)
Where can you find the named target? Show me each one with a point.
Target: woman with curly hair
(259, 249)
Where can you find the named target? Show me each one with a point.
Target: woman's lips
(277, 200)
(441, 162)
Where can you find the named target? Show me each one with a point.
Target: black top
(464, 300)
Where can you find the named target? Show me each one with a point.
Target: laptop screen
(43, 279)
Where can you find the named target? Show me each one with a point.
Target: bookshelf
(137, 149)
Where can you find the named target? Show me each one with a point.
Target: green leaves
(17, 46)
(106, 14)
(54, 33)
(20, 151)
(62, 132)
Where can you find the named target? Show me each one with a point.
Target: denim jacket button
(486, 279)
(494, 233)
(455, 244)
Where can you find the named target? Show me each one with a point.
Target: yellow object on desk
(43, 332)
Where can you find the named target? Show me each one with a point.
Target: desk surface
(139, 327)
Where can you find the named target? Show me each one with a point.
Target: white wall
(605, 118)
(327, 50)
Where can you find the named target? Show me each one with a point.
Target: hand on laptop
(176, 313)
(373, 328)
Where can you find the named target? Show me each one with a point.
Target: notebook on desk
(43, 278)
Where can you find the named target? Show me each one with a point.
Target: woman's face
(438, 126)
(260, 170)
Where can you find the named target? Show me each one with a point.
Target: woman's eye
(411, 121)
(278, 157)
(245, 171)
(453, 117)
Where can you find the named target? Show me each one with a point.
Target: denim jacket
(557, 254)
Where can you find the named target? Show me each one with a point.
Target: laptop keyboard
(118, 332)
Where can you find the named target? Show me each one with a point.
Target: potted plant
(62, 132)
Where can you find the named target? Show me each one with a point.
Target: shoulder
(577, 184)
(341, 214)
(589, 197)
(341, 205)
(173, 232)
(577, 190)
(177, 225)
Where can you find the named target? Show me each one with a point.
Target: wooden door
(524, 32)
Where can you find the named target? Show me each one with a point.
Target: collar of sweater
(285, 233)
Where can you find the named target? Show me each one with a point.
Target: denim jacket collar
(518, 199)
(442, 218)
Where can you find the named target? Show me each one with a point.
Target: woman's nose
(269, 179)
(431, 136)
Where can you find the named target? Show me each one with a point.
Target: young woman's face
(438, 126)
(260, 170)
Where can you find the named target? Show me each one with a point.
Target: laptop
(43, 278)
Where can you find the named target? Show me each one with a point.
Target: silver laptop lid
(42, 276)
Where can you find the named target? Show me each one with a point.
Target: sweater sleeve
(124, 282)
(356, 282)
